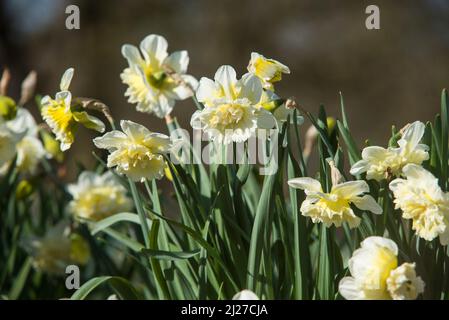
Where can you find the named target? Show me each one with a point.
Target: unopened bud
(28, 87)
(8, 108)
(24, 189)
(51, 145)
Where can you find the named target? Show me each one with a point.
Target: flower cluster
(375, 274)
(378, 162)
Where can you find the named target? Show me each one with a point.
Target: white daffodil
(245, 295)
(155, 79)
(29, 148)
(136, 151)
(421, 199)
(335, 207)
(96, 196)
(8, 142)
(267, 70)
(375, 275)
(57, 249)
(62, 117)
(377, 162)
(232, 112)
(403, 284)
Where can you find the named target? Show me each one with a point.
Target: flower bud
(8, 108)
(24, 189)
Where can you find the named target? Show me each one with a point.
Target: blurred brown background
(390, 76)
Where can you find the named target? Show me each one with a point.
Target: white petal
(245, 295)
(349, 289)
(359, 167)
(132, 54)
(265, 119)
(412, 135)
(375, 242)
(112, 139)
(251, 88)
(367, 203)
(66, 79)
(134, 130)
(206, 90)
(65, 96)
(350, 189)
(178, 61)
(154, 47)
(227, 78)
(416, 172)
(305, 183)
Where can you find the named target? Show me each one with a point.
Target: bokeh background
(388, 76)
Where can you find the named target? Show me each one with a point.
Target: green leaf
(121, 287)
(114, 219)
(170, 255)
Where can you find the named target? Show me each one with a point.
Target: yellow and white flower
(96, 196)
(403, 284)
(267, 70)
(334, 208)
(375, 274)
(62, 117)
(29, 148)
(155, 79)
(245, 295)
(232, 112)
(8, 142)
(377, 162)
(58, 249)
(135, 151)
(421, 199)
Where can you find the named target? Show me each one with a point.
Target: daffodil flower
(245, 295)
(334, 208)
(96, 196)
(135, 151)
(421, 199)
(377, 162)
(267, 70)
(29, 148)
(155, 79)
(232, 112)
(8, 142)
(57, 249)
(62, 117)
(375, 274)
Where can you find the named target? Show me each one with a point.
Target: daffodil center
(228, 115)
(156, 79)
(334, 203)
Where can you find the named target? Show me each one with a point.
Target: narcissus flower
(375, 275)
(58, 249)
(8, 141)
(421, 199)
(155, 79)
(136, 152)
(29, 148)
(96, 196)
(267, 70)
(232, 112)
(377, 162)
(334, 208)
(245, 295)
(403, 284)
(62, 117)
